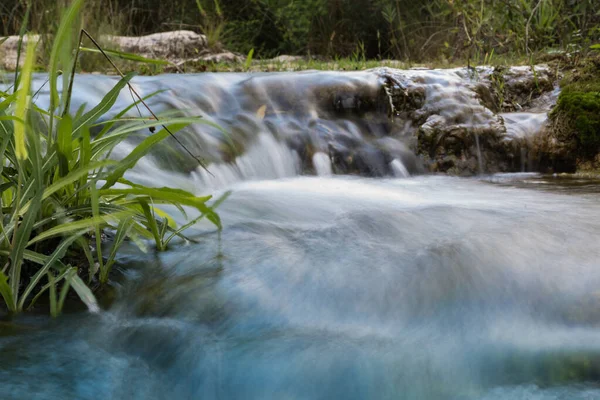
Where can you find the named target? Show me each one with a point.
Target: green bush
(401, 29)
(61, 194)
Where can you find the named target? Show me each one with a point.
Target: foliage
(401, 29)
(579, 105)
(60, 195)
(577, 113)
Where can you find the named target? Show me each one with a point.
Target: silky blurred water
(324, 284)
(346, 288)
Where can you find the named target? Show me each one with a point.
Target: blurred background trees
(409, 30)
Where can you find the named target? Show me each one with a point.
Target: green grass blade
(123, 230)
(95, 202)
(84, 293)
(65, 289)
(21, 242)
(173, 196)
(141, 150)
(46, 287)
(84, 244)
(126, 56)
(52, 287)
(22, 102)
(107, 102)
(248, 62)
(151, 223)
(6, 292)
(62, 44)
(164, 193)
(64, 144)
(67, 180)
(22, 31)
(179, 231)
(85, 156)
(87, 224)
(119, 117)
(57, 255)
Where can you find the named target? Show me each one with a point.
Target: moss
(579, 105)
(576, 117)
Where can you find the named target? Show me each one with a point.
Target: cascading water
(369, 123)
(337, 287)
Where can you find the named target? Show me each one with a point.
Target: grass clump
(61, 195)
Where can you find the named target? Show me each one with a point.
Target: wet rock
(454, 109)
(516, 88)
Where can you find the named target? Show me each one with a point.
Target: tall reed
(61, 195)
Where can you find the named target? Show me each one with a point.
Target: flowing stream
(342, 271)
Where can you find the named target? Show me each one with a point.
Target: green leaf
(118, 118)
(95, 202)
(85, 155)
(125, 226)
(24, 24)
(163, 193)
(57, 255)
(46, 287)
(64, 144)
(67, 180)
(107, 102)
(85, 247)
(84, 293)
(126, 56)
(21, 239)
(22, 102)
(65, 289)
(86, 224)
(174, 196)
(52, 286)
(249, 57)
(151, 222)
(141, 150)
(6, 292)
(62, 44)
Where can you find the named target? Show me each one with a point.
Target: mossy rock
(579, 106)
(575, 121)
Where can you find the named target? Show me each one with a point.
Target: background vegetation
(407, 30)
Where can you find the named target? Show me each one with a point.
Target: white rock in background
(165, 45)
(9, 51)
(176, 47)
